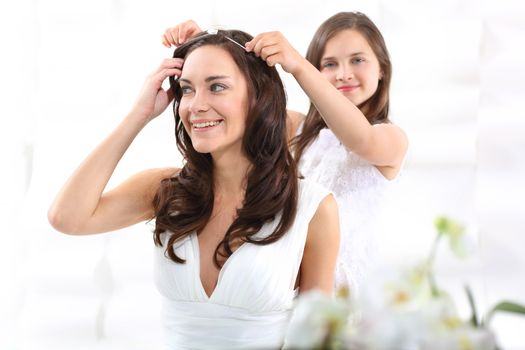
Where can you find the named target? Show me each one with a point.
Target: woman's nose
(198, 103)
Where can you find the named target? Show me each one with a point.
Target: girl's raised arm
(383, 145)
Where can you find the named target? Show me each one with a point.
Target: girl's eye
(358, 60)
(217, 87)
(329, 65)
(185, 90)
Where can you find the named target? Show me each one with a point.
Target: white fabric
(359, 189)
(251, 304)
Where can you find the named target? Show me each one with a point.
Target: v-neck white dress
(252, 302)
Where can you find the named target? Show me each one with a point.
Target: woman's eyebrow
(216, 77)
(208, 79)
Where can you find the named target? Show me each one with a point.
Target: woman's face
(214, 102)
(349, 63)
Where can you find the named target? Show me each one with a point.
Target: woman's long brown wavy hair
(376, 107)
(184, 203)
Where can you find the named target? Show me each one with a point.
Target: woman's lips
(205, 125)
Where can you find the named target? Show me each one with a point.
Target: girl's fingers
(250, 45)
(167, 36)
(165, 41)
(184, 33)
(261, 41)
(273, 59)
(179, 34)
(257, 39)
(172, 35)
(270, 50)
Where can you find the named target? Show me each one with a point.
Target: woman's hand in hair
(153, 99)
(275, 49)
(180, 33)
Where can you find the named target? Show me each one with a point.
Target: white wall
(70, 71)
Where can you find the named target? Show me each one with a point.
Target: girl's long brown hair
(184, 203)
(376, 107)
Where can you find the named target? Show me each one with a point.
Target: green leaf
(448, 226)
(474, 318)
(506, 306)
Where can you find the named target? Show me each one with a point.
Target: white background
(71, 70)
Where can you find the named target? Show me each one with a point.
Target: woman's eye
(358, 60)
(217, 87)
(185, 90)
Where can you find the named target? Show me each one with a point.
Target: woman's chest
(213, 249)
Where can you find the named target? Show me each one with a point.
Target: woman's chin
(204, 147)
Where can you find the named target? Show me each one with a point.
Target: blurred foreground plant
(408, 312)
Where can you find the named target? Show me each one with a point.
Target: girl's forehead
(348, 37)
(347, 41)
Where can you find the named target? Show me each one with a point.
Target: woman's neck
(230, 175)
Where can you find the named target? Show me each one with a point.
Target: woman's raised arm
(81, 206)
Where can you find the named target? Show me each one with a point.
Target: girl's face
(349, 63)
(214, 102)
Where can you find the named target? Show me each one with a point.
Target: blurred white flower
(462, 245)
(397, 310)
(462, 338)
(409, 291)
(460, 242)
(386, 330)
(318, 321)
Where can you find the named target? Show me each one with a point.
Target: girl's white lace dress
(360, 191)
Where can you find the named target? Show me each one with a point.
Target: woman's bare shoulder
(148, 181)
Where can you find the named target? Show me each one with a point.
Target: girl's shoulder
(294, 121)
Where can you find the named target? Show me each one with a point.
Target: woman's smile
(205, 125)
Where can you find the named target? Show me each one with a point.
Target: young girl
(346, 141)
(236, 231)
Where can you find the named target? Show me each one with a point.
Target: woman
(346, 141)
(237, 232)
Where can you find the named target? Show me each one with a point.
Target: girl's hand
(153, 99)
(178, 35)
(275, 49)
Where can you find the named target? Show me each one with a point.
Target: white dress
(252, 302)
(360, 190)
